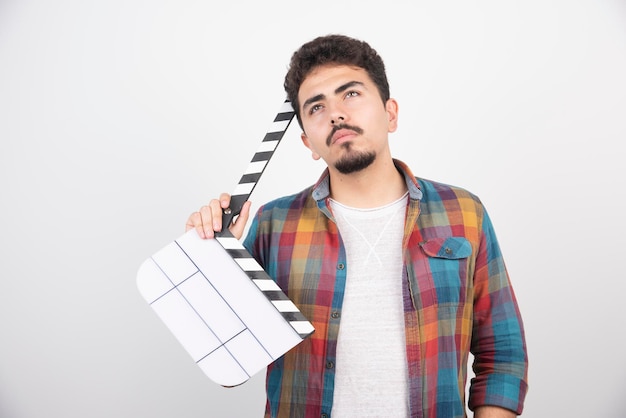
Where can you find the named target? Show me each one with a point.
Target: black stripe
(262, 156)
(293, 316)
(250, 178)
(273, 136)
(238, 253)
(284, 116)
(275, 295)
(258, 275)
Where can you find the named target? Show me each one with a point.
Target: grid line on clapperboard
(222, 343)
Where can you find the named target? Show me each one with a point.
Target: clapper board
(220, 304)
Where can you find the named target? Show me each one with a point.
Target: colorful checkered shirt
(457, 299)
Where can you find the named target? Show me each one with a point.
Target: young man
(401, 277)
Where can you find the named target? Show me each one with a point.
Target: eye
(352, 93)
(314, 108)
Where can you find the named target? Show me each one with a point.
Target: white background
(118, 118)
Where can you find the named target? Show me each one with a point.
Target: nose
(337, 120)
(336, 111)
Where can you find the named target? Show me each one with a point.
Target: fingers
(193, 220)
(209, 218)
(224, 200)
(239, 224)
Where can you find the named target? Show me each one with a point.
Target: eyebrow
(338, 90)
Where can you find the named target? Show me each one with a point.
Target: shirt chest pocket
(441, 271)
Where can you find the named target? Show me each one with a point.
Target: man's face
(344, 119)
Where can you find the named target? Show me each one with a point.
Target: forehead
(324, 79)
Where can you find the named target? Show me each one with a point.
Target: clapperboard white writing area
(219, 303)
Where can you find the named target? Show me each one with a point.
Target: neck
(377, 185)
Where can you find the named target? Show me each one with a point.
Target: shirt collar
(321, 189)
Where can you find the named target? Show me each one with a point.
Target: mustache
(342, 126)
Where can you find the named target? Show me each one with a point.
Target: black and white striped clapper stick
(259, 161)
(220, 304)
(242, 192)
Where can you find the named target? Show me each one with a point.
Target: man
(401, 277)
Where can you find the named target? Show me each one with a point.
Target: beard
(355, 161)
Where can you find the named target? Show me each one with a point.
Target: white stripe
(286, 107)
(267, 146)
(230, 243)
(243, 188)
(266, 284)
(279, 126)
(256, 167)
(302, 327)
(248, 264)
(285, 306)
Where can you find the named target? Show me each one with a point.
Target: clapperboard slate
(221, 305)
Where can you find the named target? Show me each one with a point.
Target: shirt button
(330, 364)
(324, 416)
(334, 315)
(448, 250)
(341, 266)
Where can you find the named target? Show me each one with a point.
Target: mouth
(342, 133)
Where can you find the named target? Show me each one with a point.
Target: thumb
(239, 224)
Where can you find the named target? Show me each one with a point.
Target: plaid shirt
(457, 299)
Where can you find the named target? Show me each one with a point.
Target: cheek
(311, 145)
(316, 134)
(316, 150)
(314, 153)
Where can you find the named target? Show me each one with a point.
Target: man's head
(339, 91)
(334, 50)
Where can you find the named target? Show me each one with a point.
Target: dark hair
(333, 49)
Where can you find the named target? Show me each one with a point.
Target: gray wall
(119, 118)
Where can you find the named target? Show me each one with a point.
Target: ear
(307, 143)
(392, 114)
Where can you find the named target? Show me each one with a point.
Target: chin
(355, 162)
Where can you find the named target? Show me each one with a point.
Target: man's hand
(493, 412)
(208, 219)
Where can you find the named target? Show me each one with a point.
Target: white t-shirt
(371, 370)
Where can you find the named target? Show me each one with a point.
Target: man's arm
(498, 343)
(493, 412)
